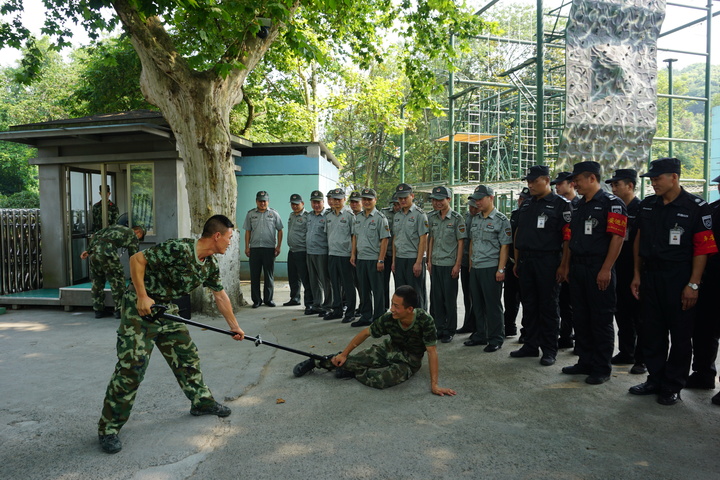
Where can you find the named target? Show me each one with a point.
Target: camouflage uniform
(173, 270)
(398, 357)
(113, 214)
(105, 262)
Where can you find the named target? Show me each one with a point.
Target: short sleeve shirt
(414, 339)
(389, 214)
(369, 231)
(107, 241)
(407, 229)
(594, 223)
(297, 231)
(173, 270)
(263, 227)
(316, 240)
(543, 223)
(488, 235)
(445, 234)
(466, 243)
(339, 228)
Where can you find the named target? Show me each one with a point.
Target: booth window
(142, 196)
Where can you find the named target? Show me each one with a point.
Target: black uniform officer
(511, 290)
(541, 250)
(673, 241)
(707, 328)
(627, 315)
(597, 231)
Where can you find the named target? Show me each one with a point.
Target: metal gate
(20, 253)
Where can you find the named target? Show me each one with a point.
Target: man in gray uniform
(317, 256)
(297, 253)
(490, 237)
(263, 238)
(338, 225)
(370, 237)
(410, 229)
(445, 252)
(469, 319)
(389, 213)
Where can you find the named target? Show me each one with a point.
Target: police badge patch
(707, 221)
(616, 208)
(567, 216)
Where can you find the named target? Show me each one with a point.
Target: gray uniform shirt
(316, 240)
(487, 236)
(297, 231)
(369, 231)
(389, 214)
(445, 234)
(339, 228)
(407, 230)
(263, 227)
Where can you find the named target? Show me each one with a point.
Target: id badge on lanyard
(675, 235)
(588, 226)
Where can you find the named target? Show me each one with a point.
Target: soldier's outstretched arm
(225, 307)
(434, 365)
(138, 263)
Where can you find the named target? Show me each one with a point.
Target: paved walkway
(511, 419)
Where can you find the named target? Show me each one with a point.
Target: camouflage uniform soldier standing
(410, 229)
(338, 225)
(445, 251)
(369, 244)
(159, 274)
(412, 333)
(261, 226)
(297, 253)
(105, 263)
(490, 237)
(112, 211)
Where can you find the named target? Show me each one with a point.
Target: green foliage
(20, 200)
(15, 173)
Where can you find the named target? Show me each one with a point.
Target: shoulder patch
(707, 221)
(616, 208)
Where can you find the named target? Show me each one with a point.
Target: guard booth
(135, 155)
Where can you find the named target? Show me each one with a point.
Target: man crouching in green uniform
(159, 274)
(412, 332)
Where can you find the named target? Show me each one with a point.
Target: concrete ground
(511, 419)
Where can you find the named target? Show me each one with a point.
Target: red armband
(616, 224)
(567, 233)
(704, 243)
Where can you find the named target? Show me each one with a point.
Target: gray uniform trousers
(372, 290)
(297, 275)
(487, 305)
(343, 286)
(443, 299)
(262, 259)
(319, 281)
(404, 276)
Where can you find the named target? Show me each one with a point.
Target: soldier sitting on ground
(412, 332)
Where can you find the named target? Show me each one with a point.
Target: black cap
(524, 193)
(336, 193)
(663, 165)
(471, 203)
(536, 171)
(296, 198)
(623, 174)
(393, 199)
(583, 167)
(439, 193)
(262, 195)
(355, 196)
(317, 195)
(482, 191)
(368, 193)
(403, 190)
(716, 179)
(561, 177)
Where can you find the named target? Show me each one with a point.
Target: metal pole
(451, 122)
(539, 81)
(402, 145)
(670, 61)
(708, 69)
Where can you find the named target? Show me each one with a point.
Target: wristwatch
(381, 261)
(694, 286)
(501, 270)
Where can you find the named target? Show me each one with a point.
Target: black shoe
(256, 304)
(669, 398)
(576, 370)
(716, 399)
(361, 323)
(638, 369)
(357, 313)
(333, 316)
(308, 311)
(492, 348)
(342, 373)
(446, 339)
(304, 367)
(473, 343)
(217, 409)
(110, 443)
(547, 360)
(348, 319)
(291, 303)
(521, 339)
(696, 381)
(524, 352)
(622, 359)
(100, 313)
(464, 330)
(270, 303)
(565, 343)
(645, 388)
(597, 379)
(117, 314)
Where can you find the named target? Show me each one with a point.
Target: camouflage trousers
(134, 345)
(106, 268)
(380, 366)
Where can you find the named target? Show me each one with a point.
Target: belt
(538, 253)
(586, 259)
